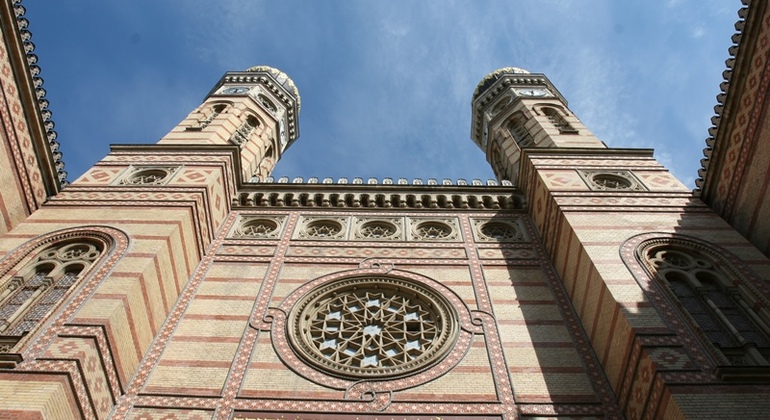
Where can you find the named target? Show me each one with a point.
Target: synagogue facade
(180, 280)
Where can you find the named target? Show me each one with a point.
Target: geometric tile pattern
(660, 181)
(143, 413)
(29, 193)
(563, 180)
(378, 252)
(670, 358)
(85, 351)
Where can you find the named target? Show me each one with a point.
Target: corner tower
(513, 109)
(256, 109)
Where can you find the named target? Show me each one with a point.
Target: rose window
(323, 229)
(377, 230)
(433, 230)
(499, 231)
(372, 327)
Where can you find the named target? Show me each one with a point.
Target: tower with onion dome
(513, 110)
(256, 109)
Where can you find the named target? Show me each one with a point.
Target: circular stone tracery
(372, 327)
(499, 231)
(611, 182)
(146, 177)
(433, 230)
(323, 229)
(258, 227)
(378, 230)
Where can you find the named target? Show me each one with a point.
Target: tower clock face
(533, 92)
(235, 90)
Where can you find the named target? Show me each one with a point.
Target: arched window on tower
(706, 288)
(519, 132)
(213, 112)
(557, 120)
(243, 133)
(41, 283)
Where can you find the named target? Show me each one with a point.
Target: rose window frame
(372, 327)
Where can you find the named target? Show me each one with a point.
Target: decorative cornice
(380, 196)
(385, 181)
(25, 36)
(723, 98)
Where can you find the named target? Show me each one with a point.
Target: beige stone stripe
(237, 372)
(152, 357)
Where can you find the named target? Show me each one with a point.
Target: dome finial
(282, 78)
(492, 77)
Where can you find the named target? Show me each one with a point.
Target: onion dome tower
(512, 110)
(256, 109)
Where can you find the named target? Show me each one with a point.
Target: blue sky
(385, 85)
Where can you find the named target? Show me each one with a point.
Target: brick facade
(544, 301)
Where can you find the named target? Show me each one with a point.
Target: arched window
(708, 289)
(244, 132)
(31, 293)
(213, 112)
(557, 119)
(519, 133)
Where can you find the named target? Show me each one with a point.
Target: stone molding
(426, 197)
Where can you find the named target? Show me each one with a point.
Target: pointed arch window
(706, 288)
(29, 295)
(557, 120)
(519, 132)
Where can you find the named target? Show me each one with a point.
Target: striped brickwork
(37, 396)
(590, 236)
(224, 349)
(221, 128)
(23, 189)
(102, 331)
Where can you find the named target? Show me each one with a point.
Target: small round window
(147, 177)
(611, 182)
(323, 229)
(258, 228)
(378, 230)
(500, 231)
(433, 230)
